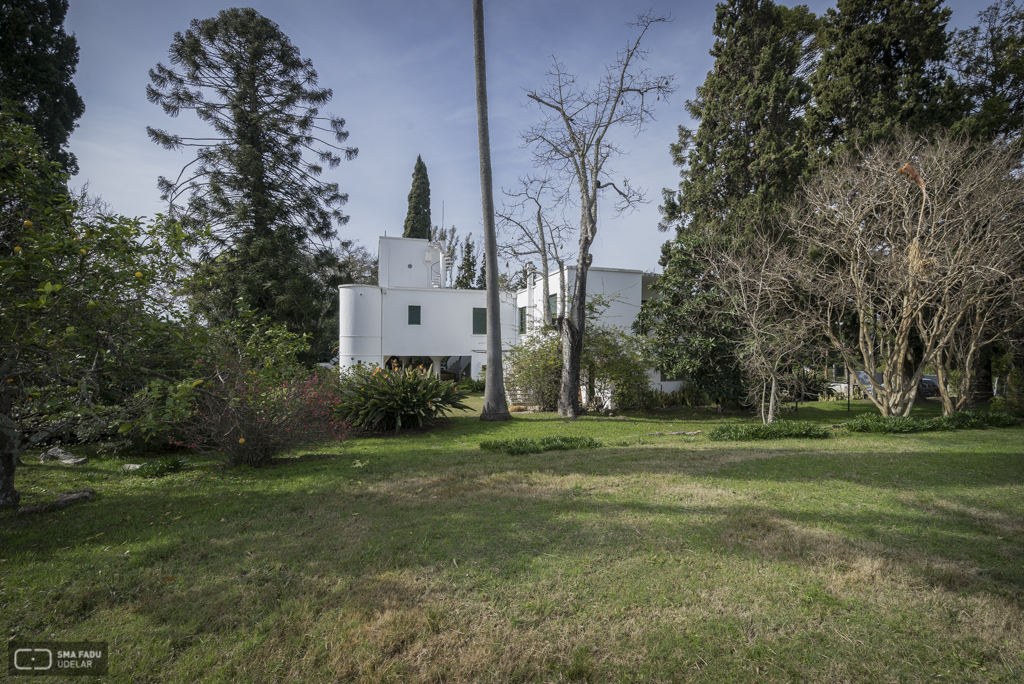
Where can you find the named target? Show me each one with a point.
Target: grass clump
(161, 466)
(964, 420)
(525, 445)
(779, 429)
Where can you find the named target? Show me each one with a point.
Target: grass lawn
(656, 558)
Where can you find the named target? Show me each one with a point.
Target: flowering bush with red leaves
(250, 418)
(247, 397)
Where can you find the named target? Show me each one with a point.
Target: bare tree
(755, 277)
(528, 231)
(571, 141)
(914, 245)
(495, 404)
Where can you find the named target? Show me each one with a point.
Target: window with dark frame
(414, 315)
(479, 321)
(522, 319)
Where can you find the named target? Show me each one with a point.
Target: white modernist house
(624, 291)
(411, 313)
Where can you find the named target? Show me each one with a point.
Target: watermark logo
(61, 658)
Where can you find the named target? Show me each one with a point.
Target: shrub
(469, 385)
(613, 366)
(248, 398)
(890, 425)
(963, 420)
(250, 419)
(562, 443)
(376, 399)
(525, 445)
(533, 371)
(779, 429)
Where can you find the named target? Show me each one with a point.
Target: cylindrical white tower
(359, 325)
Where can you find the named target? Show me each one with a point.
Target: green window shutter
(414, 315)
(522, 319)
(479, 321)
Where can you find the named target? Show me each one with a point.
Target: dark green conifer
(417, 221)
(881, 69)
(37, 61)
(271, 221)
(467, 275)
(743, 160)
(988, 62)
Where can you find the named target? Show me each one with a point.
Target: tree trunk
(981, 391)
(9, 496)
(772, 401)
(573, 329)
(495, 405)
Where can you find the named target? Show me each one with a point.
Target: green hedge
(964, 420)
(779, 429)
(524, 445)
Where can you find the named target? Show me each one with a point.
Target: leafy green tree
(272, 220)
(743, 161)
(417, 221)
(87, 314)
(37, 61)
(882, 68)
(988, 60)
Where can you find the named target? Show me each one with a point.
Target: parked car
(928, 388)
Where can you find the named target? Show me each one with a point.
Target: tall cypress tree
(743, 160)
(881, 69)
(417, 221)
(37, 61)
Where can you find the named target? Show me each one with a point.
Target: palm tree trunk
(495, 406)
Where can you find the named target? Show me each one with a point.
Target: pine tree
(988, 60)
(37, 61)
(466, 275)
(270, 217)
(417, 220)
(881, 69)
(481, 279)
(742, 162)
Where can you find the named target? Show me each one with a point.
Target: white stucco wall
(374, 323)
(624, 289)
(374, 320)
(408, 262)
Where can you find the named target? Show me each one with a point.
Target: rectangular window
(522, 319)
(553, 307)
(414, 315)
(479, 321)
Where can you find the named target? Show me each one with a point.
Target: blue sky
(402, 76)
